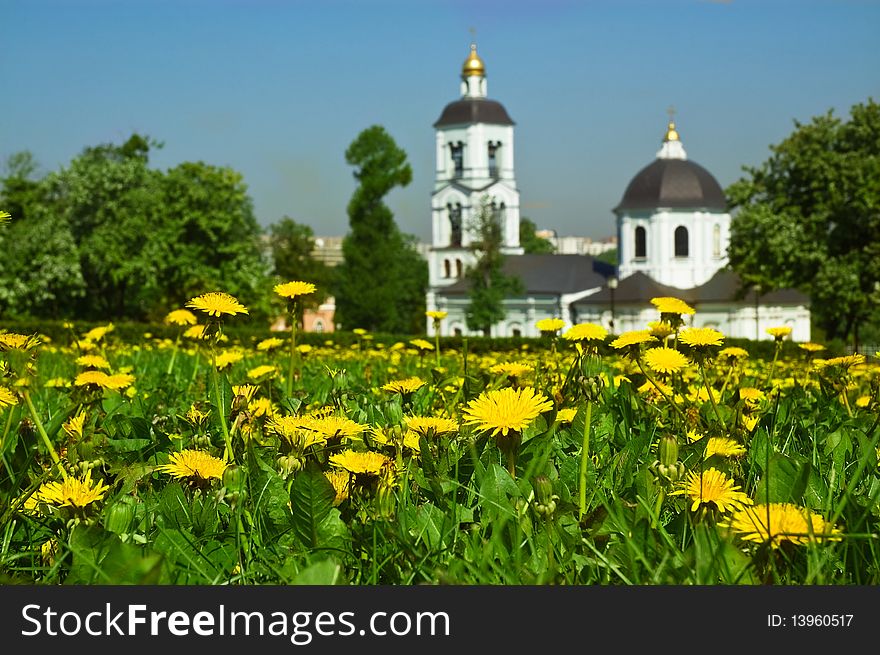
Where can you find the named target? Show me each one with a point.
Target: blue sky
(277, 89)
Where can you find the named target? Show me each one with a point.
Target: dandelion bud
(289, 465)
(668, 450)
(120, 516)
(543, 489)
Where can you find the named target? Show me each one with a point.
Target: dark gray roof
(673, 183)
(547, 274)
(723, 287)
(474, 110)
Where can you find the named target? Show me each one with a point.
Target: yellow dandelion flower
(421, 344)
(436, 315)
(292, 290)
(72, 492)
(119, 381)
(304, 349)
(650, 389)
(732, 353)
(511, 369)
(335, 426)
(566, 415)
(54, 383)
(846, 361)
(669, 305)
(408, 385)
(7, 397)
(585, 332)
(779, 523)
(196, 332)
(506, 410)
(13, 341)
(245, 390)
(863, 401)
(227, 359)
(712, 487)
(193, 464)
(633, 338)
(750, 421)
(98, 333)
(427, 426)
(92, 361)
(181, 317)
(693, 435)
(217, 303)
(724, 447)
(666, 360)
(5, 217)
(550, 325)
(260, 372)
(359, 331)
(700, 337)
(341, 481)
(751, 395)
(811, 347)
(779, 333)
(360, 463)
(261, 407)
(95, 378)
(661, 329)
(270, 344)
(74, 426)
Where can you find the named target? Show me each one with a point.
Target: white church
(673, 229)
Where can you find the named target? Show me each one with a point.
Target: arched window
(641, 243)
(681, 241)
(319, 325)
(457, 331)
(493, 158)
(447, 268)
(716, 241)
(459, 268)
(457, 151)
(454, 223)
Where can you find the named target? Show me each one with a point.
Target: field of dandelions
(662, 456)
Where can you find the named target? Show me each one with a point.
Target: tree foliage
(489, 285)
(292, 246)
(108, 237)
(809, 217)
(382, 281)
(530, 241)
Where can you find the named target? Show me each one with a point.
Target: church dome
(473, 65)
(474, 110)
(674, 184)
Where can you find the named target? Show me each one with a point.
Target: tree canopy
(809, 217)
(382, 281)
(530, 241)
(109, 237)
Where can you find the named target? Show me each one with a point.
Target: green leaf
(311, 497)
(785, 481)
(325, 572)
(496, 491)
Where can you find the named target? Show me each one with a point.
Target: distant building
(673, 230)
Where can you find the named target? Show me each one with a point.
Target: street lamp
(612, 285)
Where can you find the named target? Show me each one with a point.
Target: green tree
(382, 280)
(208, 239)
(39, 272)
(489, 285)
(809, 217)
(292, 245)
(530, 241)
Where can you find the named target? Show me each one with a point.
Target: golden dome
(473, 65)
(671, 132)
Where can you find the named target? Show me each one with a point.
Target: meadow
(662, 456)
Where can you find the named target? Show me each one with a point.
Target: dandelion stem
(709, 391)
(776, 350)
(173, 354)
(43, 435)
(585, 456)
(289, 387)
(660, 389)
(221, 409)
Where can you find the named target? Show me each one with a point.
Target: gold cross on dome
(671, 112)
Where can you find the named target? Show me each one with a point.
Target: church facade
(673, 229)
